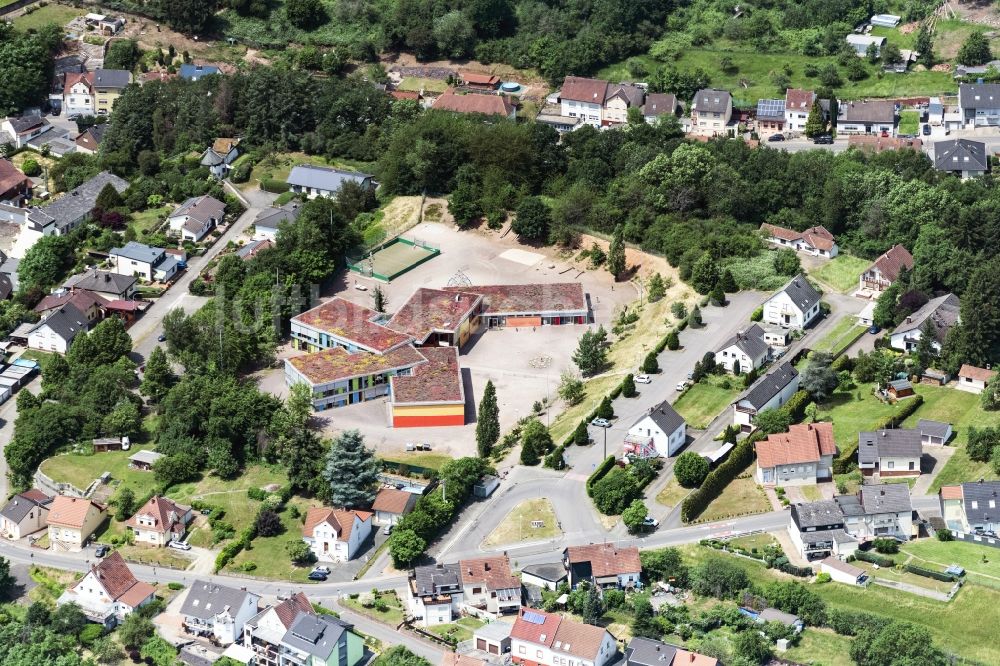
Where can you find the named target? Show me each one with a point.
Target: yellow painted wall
(428, 410)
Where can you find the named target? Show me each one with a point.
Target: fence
(56, 488)
(976, 538)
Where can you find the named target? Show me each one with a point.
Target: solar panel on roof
(771, 108)
(533, 618)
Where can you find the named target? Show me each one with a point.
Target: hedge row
(801, 572)
(602, 470)
(796, 405)
(841, 363)
(930, 573)
(273, 185)
(874, 558)
(717, 480)
(842, 463)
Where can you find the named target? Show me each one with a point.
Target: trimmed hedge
(796, 405)
(930, 573)
(273, 185)
(717, 480)
(874, 559)
(599, 473)
(801, 572)
(841, 363)
(842, 463)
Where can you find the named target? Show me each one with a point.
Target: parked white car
(643, 379)
(179, 545)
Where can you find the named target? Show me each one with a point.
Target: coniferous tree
(616, 252)
(924, 45)
(657, 288)
(488, 423)
(593, 606)
(728, 283)
(650, 364)
(815, 124)
(351, 471)
(158, 377)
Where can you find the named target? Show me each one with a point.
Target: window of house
(892, 464)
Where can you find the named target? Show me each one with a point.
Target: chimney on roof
(541, 637)
(691, 657)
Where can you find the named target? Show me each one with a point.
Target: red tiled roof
(341, 520)
(580, 89)
(801, 444)
(532, 632)
(71, 511)
(11, 177)
(160, 508)
(819, 238)
(81, 300)
(952, 493)
(579, 639)
(352, 322)
(774, 231)
(973, 372)
(606, 559)
(336, 363)
(685, 658)
(430, 310)
(290, 608)
(391, 500)
(35, 495)
(137, 594)
(894, 260)
(453, 659)
(437, 380)
(492, 105)
(72, 78)
(529, 298)
(114, 575)
(474, 78)
(405, 94)
(122, 305)
(797, 99)
(493, 572)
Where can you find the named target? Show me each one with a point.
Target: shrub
(628, 387)
(886, 546)
(274, 186)
(823, 577)
(875, 559)
(741, 457)
(944, 535)
(176, 586)
(757, 314)
(31, 168)
(599, 473)
(929, 573)
(90, 633)
(690, 469)
(258, 494)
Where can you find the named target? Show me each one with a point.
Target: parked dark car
(874, 330)
(927, 130)
(101, 550)
(317, 575)
(776, 137)
(824, 139)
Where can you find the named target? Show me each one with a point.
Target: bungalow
(61, 216)
(795, 306)
(770, 118)
(974, 379)
(842, 572)
(547, 639)
(979, 104)
(24, 514)
(875, 117)
(816, 241)
(486, 104)
(961, 157)
(71, 522)
(710, 112)
(479, 81)
(769, 392)
(56, 331)
(253, 248)
(144, 460)
(267, 222)
(803, 455)
(219, 157)
(942, 313)
(319, 181)
(144, 262)
(660, 432)
(603, 564)
(798, 104)
(217, 611)
(886, 453)
(660, 105)
(336, 535)
(649, 652)
(744, 352)
(862, 43)
(109, 592)
(159, 521)
(18, 130)
(15, 187)
(583, 98)
(196, 217)
(971, 508)
(392, 504)
(885, 270)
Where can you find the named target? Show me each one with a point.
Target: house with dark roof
(649, 652)
(941, 314)
(265, 225)
(816, 241)
(979, 104)
(19, 130)
(109, 592)
(660, 432)
(659, 105)
(934, 433)
(293, 634)
(548, 575)
(217, 612)
(603, 564)
(794, 306)
(803, 455)
(881, 274)
(159, 521)
(474, 102)
(619, 99)
(88, 303)
(770, 117)
(583, 98)
(434, 593)
(890, 453)
(392, 504)
(24, 514)
(711, 111)
(144, 261)
(972, 509)
(55, 333)
(15, 187)
(962, 157)
(866, 117)
(89, 141)
(769, 392)
(107, 285)
(62, 215)
(196, 217)
(745, 351)
(108, 85)
(319, 181)
(219, 157)
(547, 639)
(336, 535)
(974, 379)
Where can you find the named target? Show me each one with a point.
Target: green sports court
(393, 259)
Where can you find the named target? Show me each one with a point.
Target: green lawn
(458, 631)
(892, 575)
(821, 647)
(392, 616)
(840, 273)
(981, 563)
(701, 403)
(42, 16)
(909, 122)
(417, 84)
(672, 494)
(427, 459)
(145, 221)
(851, 416)
(741, 497)
(840, 337)
(278, 166)
(228, 494)
(268, 554)
(82, 469)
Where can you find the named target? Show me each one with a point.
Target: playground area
(397, 257)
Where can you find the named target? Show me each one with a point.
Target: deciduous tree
(690, 469)
(635, 515)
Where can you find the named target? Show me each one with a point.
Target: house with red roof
(15, 187)
(798, 104)
(548, 639)
(159, 521)
(974, 379)
(473, 102)
(336, 535)
(109, 592)
(391, 504)
(603, 564)
(885, 270)
(801, 456)
(816, 241)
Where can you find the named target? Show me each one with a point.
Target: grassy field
(254, 476)
(516, 527)
(909, 122)
(268, 554)
(851, 415)
(821, 646)
(742, 496)
(981, 563)
(840, 273)
(427, 459)
(753, 542)
(81, 470)
(701, 403)
(58, 14)
(149, 219)
(458, 631)
(672, 494)
(840, 337)
(417, 84)
(393, 616)
(892, 575)
(164, 557)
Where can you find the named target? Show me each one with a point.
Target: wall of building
(422, 416)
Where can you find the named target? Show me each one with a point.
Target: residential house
(818, 531)
(603, 564)
(89, 141)
(744, 352)
(488, 584)
(196, 217)
(56, 332)
(15, 187)
(971, 508)
(336, 535)
(193, 72)
(710, 112)
(24, 514)
(486, 104)
(159, 521)
(979, 104)
(548, 575)
(71, 522)
(798, 104)
(934, 433)
(795, 306)
(144, 460)
(942, 313)
(217, 612)
(219, 157)
(862, 43)
(659, 105)
(88, 303)
(769, 392)
(18, 130)
(434, 594)
(866, 117)
(561, 124)
(253, 248)
(107, 285)
(78, 94)
(109, 592)
(619, 99)
(479, 81)
(816, 241)
(660, 432)
(885, 270)
(890, 453)
(961, 157)
(770, 118)
(974, 379)
(842, 572)
(649, 652)
(803, 455)
(583, 98)
(265, 225)
(391, 504)
(62, 216)
(547, 639)
(144, 262)
(108, 85)
(878, 511)
(293, 634)
(319, 181)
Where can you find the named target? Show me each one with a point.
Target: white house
(973, 379)
(942, 313)
(584, 99)
(816, 241)
(798, 104)
(769, 392)
(196, 217)
(881, 274)
(109, 592)
(265, 225)
(319, 181)
(661, 431)
(392, 504)
(22, 129)
(220, 156)
(159, 521)
(439, 593)
(803, 455)
(963, 157)
(795, 306)
(547, 639)
(603, 564)
(979, 104)
(336, 535)
(24, 514)
(971, 508)
(434, 594)
(144, 261)
(866, 117)
(78, 94)
(217, 611)
(880, 510)
(56, 332)
(488, 584)
(745, 351)
(842, 572)
(893, 452)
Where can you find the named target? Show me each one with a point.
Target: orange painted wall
(428, 421)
